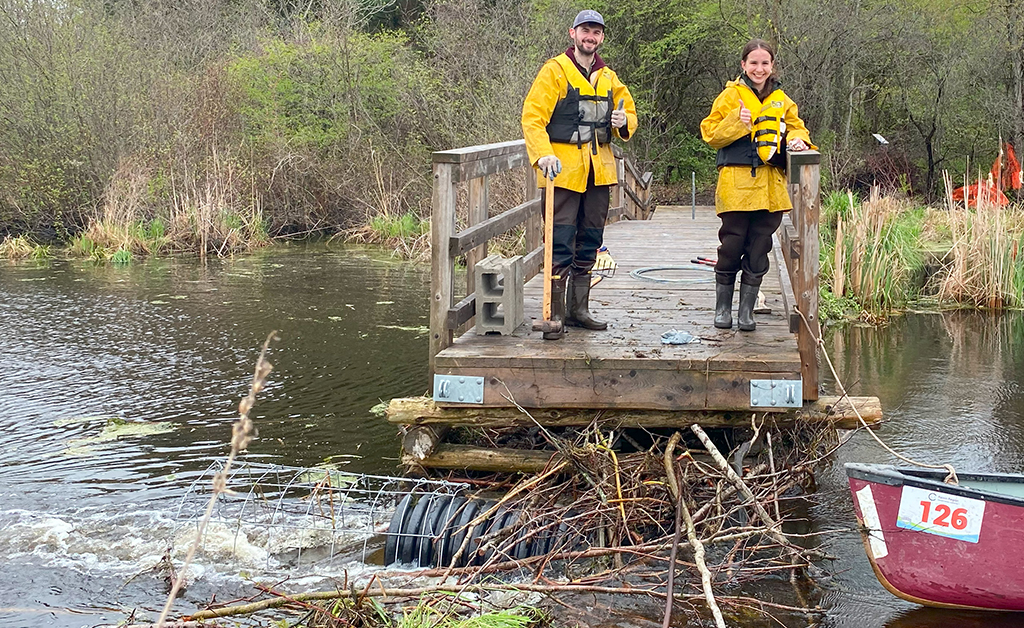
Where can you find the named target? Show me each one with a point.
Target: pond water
(90, 503)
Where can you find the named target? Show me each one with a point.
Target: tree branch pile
(675, 521)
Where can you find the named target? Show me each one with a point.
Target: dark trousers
(746, 240)
(579, 228)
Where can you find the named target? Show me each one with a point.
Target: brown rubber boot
(579, 305)
(557, 306)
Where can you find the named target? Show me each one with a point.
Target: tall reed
(207, 208)
(984, 267)
(876, 257)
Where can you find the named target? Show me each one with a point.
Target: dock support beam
(837, 411)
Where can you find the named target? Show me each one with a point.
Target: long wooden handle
(549, 234)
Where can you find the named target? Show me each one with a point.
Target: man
(569, 118)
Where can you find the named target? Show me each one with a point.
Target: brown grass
(16, 247)
(984, 268)
(211, 210)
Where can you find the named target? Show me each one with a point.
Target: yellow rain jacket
(550, 86)
(737, 189)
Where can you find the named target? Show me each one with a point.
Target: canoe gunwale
(899, 476)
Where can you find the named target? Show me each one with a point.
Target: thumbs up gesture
(619, 115)
(744, 114)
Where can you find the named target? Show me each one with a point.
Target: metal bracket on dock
(458, 389)
(776, 393)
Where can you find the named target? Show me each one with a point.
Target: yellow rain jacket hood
(742, 185)
(551, 86)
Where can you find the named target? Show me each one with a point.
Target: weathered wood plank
(479, 210)
(617, 198)
(791, 244)
(473, 153)
(804, 158)
(590, 354)
(462, 311)
(787, 298)
(639, 202)
(480, 233)
(626, 388)
(534, 226)
(634, 172)
(422, 411)
(806, 286)
(467, 171)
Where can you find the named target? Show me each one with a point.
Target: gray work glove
(549, 166)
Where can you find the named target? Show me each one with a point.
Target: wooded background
(306, 114)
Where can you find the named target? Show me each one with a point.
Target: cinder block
(499, 294)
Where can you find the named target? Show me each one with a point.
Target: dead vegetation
(669, 519)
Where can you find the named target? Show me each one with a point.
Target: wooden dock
(628, 366)
(625, 376)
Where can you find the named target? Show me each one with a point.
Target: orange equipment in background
(1004, 175)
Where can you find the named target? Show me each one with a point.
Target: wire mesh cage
(295, 516)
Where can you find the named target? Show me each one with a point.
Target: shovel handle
(549, 234)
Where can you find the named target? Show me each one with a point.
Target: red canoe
(938, 544)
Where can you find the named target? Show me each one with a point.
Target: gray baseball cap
(588, 15)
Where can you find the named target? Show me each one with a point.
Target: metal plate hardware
(776, 393)
(458, 389)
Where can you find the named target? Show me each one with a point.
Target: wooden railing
(799, 248)
(473, 166)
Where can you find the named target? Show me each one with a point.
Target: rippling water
(952, 390)
(84, 507)
(88, 509)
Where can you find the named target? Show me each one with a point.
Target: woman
(751, 123)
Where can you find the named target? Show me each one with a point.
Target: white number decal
(941, 514)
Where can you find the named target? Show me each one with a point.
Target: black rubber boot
(723, 304)
(579, 305)
(557, 307)
(748, 299)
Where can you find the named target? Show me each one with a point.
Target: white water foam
(134, 541)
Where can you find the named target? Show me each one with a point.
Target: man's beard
(579, 48)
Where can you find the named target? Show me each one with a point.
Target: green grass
(424, 616)
(121, 257)
(880, 262)
(976, 256)
(832, 308)
(405, 226)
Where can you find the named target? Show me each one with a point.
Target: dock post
(442, 226)
(804, 179)
(479, 210)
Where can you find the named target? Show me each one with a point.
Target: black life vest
(767, 140)
(582, 116)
